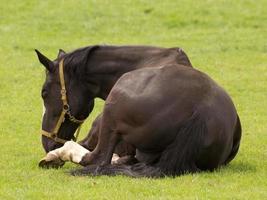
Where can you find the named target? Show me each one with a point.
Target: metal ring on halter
(66, 107)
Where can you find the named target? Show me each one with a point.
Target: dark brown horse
(177, 118)
(91, 72)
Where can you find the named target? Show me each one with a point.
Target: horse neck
(107, 65)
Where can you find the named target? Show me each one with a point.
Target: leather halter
(65, 111)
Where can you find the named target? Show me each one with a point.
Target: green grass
(226, 39)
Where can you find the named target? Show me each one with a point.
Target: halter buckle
(53, 135)
(63, 92)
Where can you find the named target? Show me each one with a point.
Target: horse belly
(146, 138)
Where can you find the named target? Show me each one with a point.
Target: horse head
(67, 98)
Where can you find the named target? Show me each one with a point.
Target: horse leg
(71, 151)
(103, 152)
(107, 141)
(84, 141)
(90, 141)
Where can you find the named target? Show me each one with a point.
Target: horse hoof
(51, 161)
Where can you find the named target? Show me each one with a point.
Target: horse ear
(45, 61)
(61, 52)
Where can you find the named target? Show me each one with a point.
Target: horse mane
(75, 62)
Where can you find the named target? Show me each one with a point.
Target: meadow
(225, 39)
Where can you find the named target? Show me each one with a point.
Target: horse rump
(236, 141)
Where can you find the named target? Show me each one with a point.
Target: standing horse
(90, 72)
(177, 117)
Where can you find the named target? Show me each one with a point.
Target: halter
(65, 111)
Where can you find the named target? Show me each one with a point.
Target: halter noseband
(65, 111)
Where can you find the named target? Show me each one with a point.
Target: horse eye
(44, 94)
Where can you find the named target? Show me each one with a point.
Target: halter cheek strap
(65, 111)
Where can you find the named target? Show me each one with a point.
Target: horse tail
(137, 170)
(181, 155)
(236, 141)
(178, 158)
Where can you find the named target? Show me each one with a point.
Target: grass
(226, 39)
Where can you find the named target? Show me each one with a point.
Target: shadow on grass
(240, 167)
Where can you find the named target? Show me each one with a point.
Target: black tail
(137, 170)
(178, 158)
(236, 141)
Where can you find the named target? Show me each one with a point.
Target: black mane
(75, 62)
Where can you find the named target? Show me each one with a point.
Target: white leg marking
(115, 157)
(71, 151)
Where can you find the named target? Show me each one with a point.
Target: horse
(90, 72)
(178, 119)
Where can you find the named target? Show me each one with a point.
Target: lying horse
(195, 126)
(91, 72)
(178, 119)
